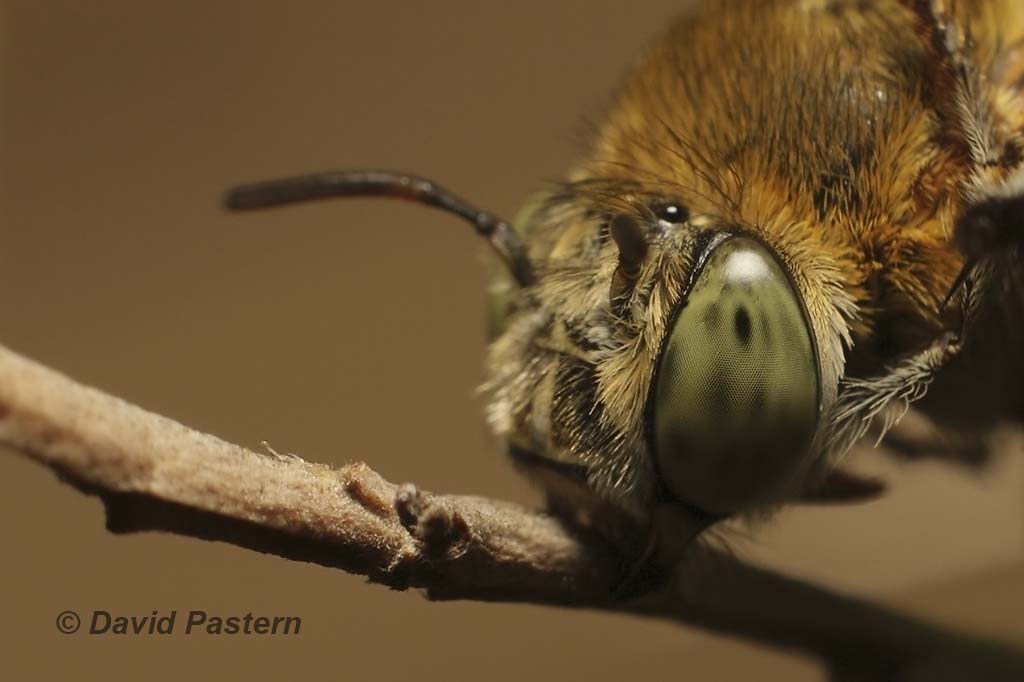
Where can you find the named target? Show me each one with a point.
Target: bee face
(796, 217)
(727, 354)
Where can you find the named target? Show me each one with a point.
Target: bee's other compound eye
(670, 212)
(736, 393)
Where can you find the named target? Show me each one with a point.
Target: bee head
(694, 371)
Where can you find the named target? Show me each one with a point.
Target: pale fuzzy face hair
(816, 128)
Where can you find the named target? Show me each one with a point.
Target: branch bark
(155, 474)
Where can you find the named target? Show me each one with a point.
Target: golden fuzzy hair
(846, 136)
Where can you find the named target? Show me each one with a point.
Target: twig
(155, 474)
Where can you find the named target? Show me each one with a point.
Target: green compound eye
(736, 393)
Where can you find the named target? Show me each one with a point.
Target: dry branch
(155, 474)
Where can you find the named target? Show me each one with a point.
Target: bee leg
(990, 226)
(673, 532)
(990, 235)
(880, 402)
(955, 80)
(635, 544)
(994, 221)
(638, 574)
(938, 31)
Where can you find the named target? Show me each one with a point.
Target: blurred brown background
(348, 331)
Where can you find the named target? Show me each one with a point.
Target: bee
(799, 222)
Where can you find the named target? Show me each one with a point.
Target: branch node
(358, 480)
(442, 530)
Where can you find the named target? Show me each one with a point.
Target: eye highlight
(736, 392)
(670, 212)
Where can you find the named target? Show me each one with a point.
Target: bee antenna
(374, 183)
(629, 236)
